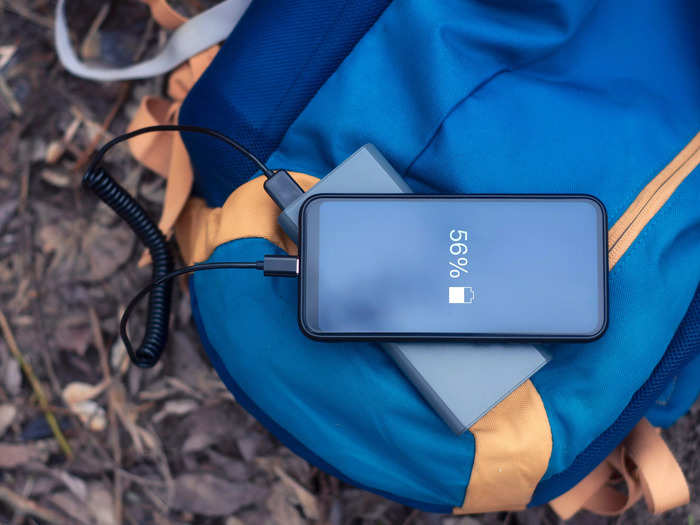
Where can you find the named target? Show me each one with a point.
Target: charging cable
(279, 185)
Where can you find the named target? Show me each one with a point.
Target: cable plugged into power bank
(282, 189)
(279, 185)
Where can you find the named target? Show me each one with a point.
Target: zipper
(650, 200)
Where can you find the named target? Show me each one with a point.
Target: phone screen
(453, 267)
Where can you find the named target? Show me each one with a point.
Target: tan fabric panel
(248, 212)
(513, 443)
(164, 14)
(164, 152)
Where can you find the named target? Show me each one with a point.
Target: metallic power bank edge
(460, 381)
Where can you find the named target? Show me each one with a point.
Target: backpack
(461, 97)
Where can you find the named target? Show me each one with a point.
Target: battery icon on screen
(461, 295)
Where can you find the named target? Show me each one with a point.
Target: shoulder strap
(163, 13)
(191, 37)
(647, 468)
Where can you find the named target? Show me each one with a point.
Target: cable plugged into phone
(279, 185)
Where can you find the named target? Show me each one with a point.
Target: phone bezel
(385, 336)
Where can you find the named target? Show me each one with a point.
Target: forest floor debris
(85, 437)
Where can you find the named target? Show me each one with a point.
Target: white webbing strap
(194, 36)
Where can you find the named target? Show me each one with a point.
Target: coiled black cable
(156, 337)
(124, 205)
(116, 197)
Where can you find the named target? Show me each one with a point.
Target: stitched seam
(487, 80)
(686, 154)
(645, 215)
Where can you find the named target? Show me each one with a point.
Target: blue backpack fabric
(461, 97)
(680, 393)
(281, 52)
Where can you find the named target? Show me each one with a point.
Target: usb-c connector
(281, 266)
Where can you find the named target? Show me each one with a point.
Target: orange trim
(248, 212)
(513, 443)
(650, 200)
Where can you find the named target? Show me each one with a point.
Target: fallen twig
(20, 516)
(23, 187)
(86, 154)
(6, 54)
(26, 506)
(122, 97)
(37, 304)
(88, 49)
(22, 10)
(9, 98)
(111, 415)
(57, 147)
(36, 386)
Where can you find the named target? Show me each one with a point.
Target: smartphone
(453, 267)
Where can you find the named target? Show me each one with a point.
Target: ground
(167, 445)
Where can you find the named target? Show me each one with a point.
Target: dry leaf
(61, 239)
(43, 486)
(141, 438)
(57, 148)
(91, 414)
(7, 415)
(119, 359)
(101, 504)
(127, 416)
(7, 211)
(232, 469)
(76, 485)
(90, 49)
(54, 151)
(248, 445)
(72, 506)
(49, 237)
(197, 442)
(208, 425)
(177, 407)
(149, 439)
(6, 54)
(12, 377)
(186, 362)
(21, 299)
(282, 508)
(107, 249)
(211, 496)
(73, 333)
(78, 392)
(463, 520)
(306, 499)
(12, 456)
(55, 178)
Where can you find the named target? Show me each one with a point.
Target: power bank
(460, 381)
